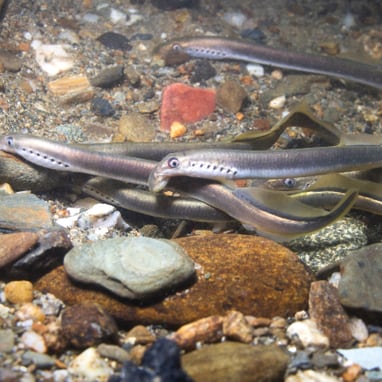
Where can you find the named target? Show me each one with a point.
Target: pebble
(161, 362)
(255, 70)
(10, 61)
(237, 328)
(39, 360)
(34, 341)
(133, 267)
(278, 102)
(19, 292)
(185, 104)
(326, 310)
(230, 96)
(52, 58)
(232, 361)
(91, 366)
(71, 85)
(361, 285)
(114, 40)
(139, 335)
(87, 324)
(177, 130)
(228, 276)
(108, 77)
(135, 127)
(15, 245)
(358, 329)
(311, 376)
(203, 71)
(308, 334)
(113, 352)
(102, 107)
(7, 340)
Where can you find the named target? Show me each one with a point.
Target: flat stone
(7, 340)
(232, 361)
(136, 127)
(24, 212)
(360, 286)
(326, 310)
(246, 273)
(15, 245)
(132, 267)
(108, 77)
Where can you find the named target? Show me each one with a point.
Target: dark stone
(255, 34)
(114, 40)
(88, 324)
(203, 71)
(161, 362)
(102, 107)
(174, 4)
(108, 77)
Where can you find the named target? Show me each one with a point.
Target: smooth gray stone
(368, 358)
(361, 282)
(7, 340)
(38, 359)
(132, 267)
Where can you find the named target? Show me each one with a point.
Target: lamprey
(148, 203)
(227, 164)
(281, 224)
(326, 191)
(63, 157)
(219, 48)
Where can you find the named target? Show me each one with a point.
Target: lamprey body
(218, 48)
(281, 224)
(63, 157)
(227, 164)
(148, 203)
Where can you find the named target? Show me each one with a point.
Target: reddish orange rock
(246, 273)
(185, 104)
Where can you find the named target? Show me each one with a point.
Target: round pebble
(19, 292)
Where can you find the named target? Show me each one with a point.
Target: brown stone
(14, 245)
(87, 324)
(236, 327)
(140, 335)
(326, 310)
(246, 273)
(230, 96)
(231, 361)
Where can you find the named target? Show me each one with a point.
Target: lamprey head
(190, 163)
(8, 144)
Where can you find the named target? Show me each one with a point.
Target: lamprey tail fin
(297, 218)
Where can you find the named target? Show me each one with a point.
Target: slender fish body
(219, 48)
(227, 164)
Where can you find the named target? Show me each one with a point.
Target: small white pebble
(34, 341)
(117, 16)
(278, 102)
(358, 329)
(236, 19)
(335, 279)
(255, 70)
(277, 74)
(91, 366)
(308, 334)
(90, 18)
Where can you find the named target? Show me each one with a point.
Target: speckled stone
(231, 361)
(230, 96)
(235, 272)
(330, 244)
(19, 292)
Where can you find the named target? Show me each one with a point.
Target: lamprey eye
(176, 48)
(10, 141)
(289, 182)
(173, 162)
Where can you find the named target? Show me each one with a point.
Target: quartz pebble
(34, 341)
(134, 267)
(278, 102)
(90, 366)
(311, 376)
(308, 334)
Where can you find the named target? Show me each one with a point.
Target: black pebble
(102, 107)
(203, 71)
(174, 4)
(161, 362)
(114, 40)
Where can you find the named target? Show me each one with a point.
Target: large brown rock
(236, 272)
